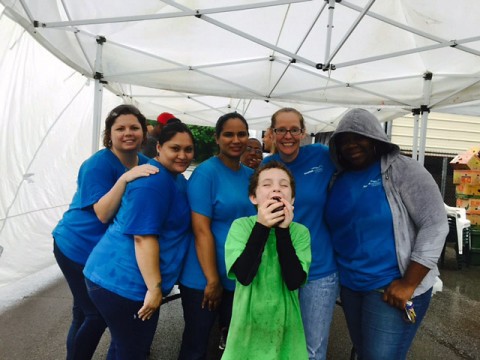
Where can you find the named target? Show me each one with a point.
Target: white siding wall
(447, 133)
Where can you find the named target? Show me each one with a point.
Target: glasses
(256, 151)
(293, 132)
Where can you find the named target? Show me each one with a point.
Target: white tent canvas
(199, 59)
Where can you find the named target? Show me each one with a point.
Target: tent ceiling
(202, 58)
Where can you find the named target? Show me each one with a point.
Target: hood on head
(362, 122)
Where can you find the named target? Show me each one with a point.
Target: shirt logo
(313, 170)
(373, 183)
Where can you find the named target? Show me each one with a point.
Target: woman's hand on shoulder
(139, 171)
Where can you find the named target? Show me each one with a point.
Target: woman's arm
(422, 200)
(107, 206)
(147, 253)
(207, 256)
(400, 291)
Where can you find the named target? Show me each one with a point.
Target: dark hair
(287, 109)
(224, 118)
(172, 128)
(124, 109)
(252, 138)
(252, 187)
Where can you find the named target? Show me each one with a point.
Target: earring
(109, 143)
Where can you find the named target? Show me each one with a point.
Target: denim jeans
(378, 330)
(87, 325)
(317, 303)
(131, 337)
(199, 322)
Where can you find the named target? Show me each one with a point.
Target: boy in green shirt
(268, 255)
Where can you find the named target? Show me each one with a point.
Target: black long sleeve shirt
(246, 266)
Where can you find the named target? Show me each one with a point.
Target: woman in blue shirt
(100, 185)
(388, 225)
(218, 194)
(139, 258)
(312, 170)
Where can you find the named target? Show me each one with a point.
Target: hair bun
(173, 121)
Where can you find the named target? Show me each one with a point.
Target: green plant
(205, 145)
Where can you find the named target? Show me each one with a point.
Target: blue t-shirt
(312, 170)
(80, 229)
(153, 205)
(216, 191)
(361, 224)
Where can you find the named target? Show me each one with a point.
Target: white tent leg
(416, 113)
(423, 137)
(98, 96)
(389, 128)
(427, 90)
(331, 10)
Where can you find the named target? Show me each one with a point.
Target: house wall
(446, 134)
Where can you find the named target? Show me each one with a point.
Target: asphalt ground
(35, 317)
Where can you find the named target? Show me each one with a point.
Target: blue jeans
(131, 336)
(87, 325)
(199, 322)
(378, 330)
(317, 303)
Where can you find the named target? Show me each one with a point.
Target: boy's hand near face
(287, 213)
(275, 212)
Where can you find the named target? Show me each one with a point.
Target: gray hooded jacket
(419, 217)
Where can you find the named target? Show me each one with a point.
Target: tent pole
(444, 177)
(388, 130)
(331, 11)
(427, 87)
(423, 136)
(98, 95)
(416, 113)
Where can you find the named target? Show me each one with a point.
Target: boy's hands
(275, 212)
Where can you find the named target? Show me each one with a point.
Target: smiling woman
(154, 215)
(102, 180)
(217, 191)
(388, 225)
(253, 155)
(356, 151)
(312, 169)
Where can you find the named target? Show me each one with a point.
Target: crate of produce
(473, 206)
(462, 203)
(469, 160)
(465, 191)
(469, 177)
(474, 219)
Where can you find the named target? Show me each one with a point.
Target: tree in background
(205, 145)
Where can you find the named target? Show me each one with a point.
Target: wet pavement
(35, 326)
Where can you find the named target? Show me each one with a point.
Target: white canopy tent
(199, 59)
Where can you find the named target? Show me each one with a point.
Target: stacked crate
(466, 177)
